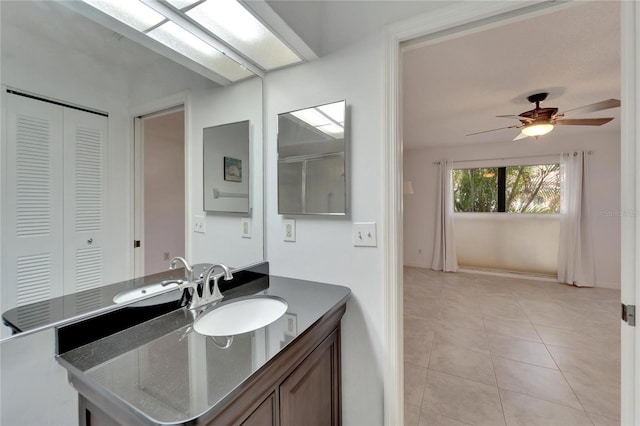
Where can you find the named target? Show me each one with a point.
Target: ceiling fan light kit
(537, 129)
(540, 121)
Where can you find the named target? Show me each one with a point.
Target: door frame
(137, 114)
(470, 16)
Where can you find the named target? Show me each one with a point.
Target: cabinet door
(32, 205)
(265, 414)
(310, 396)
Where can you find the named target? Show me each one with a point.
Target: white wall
(419, 208)
(323, 250)
(223, 242)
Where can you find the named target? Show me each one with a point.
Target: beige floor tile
(511, 328)
(461, 399)
(520, 350)
(427, 308)
(603, 421)
(597, 394)
(595, 339)
(432, 419)
(450, 316)
(416, 327)
(417, 351)
(415, 378)
(522, 410)
(458, 317)
(449, 358)
(411, 414)
(468, 338)
(606, 364)
(539, 382)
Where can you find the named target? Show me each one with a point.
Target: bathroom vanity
(163, 372)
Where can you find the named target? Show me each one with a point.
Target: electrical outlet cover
(245, 227)
(289, 229)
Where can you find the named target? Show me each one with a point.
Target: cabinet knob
(90, 241)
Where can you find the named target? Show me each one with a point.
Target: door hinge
(629, 314)
(136, 243)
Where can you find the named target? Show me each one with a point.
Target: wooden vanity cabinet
(299, 386)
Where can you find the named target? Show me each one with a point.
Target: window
(513, 189)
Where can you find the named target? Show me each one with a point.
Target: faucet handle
(215, 294)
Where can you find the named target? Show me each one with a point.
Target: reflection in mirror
(226, 168)
(312, 161)
(50, 51)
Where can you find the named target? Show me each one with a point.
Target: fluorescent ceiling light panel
(236, 26)
(133, 13)
(326, 119)
(182, 41)
(333, 130)
(181, 4)
(335, 111)
(312, 116)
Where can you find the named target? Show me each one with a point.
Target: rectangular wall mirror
(226, 168)
(313, 161)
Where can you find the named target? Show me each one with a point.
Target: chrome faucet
(211, 295)
(187, 268)
(206, 295)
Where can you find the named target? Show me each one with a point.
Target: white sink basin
(147, 291)
(241, 316)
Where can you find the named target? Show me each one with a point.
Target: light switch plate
(364, 234)
(199, 224)
(289, 229)
(245, 227)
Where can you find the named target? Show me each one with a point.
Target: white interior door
(32, 235)
(160, 189)
(85, 146)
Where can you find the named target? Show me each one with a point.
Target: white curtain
(444, 249)
(575, 251)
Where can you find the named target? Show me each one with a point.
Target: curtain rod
(513, 158)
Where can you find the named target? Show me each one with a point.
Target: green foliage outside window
(527, 189)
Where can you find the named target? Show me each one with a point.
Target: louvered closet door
(85, 137)
(32, 255)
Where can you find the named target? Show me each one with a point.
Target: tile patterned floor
(483, 350)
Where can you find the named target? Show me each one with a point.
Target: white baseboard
(509, 274)
(520, 275)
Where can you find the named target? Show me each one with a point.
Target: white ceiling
(329, 25)
(458, 86)
(57, 23)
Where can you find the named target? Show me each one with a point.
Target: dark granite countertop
(163, 372)
(62, 310)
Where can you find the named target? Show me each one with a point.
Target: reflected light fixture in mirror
(329, 119)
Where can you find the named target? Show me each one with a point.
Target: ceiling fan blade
(584, 121)
(517, 117)
(493, 130)
(520, 136)
(598, 106)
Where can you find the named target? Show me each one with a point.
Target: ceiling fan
(540, 121)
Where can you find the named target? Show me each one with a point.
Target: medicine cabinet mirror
(226, 168)
(313, 161)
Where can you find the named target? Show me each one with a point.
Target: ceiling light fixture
(220, 35)
(536, 129)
